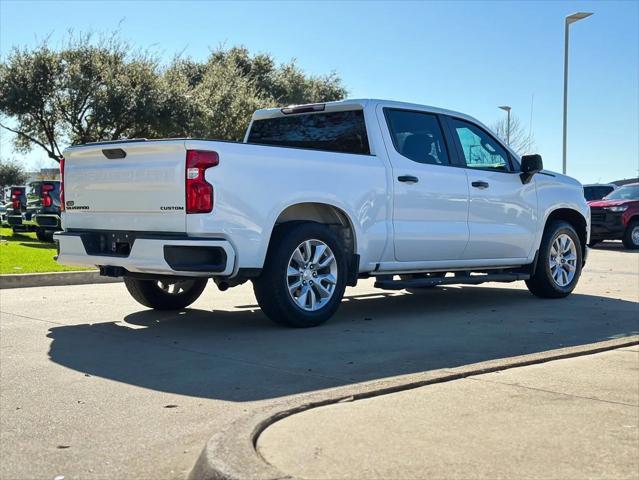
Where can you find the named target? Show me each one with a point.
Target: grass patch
(24, 253)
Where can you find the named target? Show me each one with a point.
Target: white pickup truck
(316, 197)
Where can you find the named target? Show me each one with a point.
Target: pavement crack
(552, 391)
(33, 318)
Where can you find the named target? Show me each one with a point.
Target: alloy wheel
(563, 260)
(311, 275)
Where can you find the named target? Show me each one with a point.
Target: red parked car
(616, 217)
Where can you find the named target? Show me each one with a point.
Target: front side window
(343, 132)
(417, 136)
(480, 149)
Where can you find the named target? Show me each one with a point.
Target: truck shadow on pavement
(241, 356)
(613, 246)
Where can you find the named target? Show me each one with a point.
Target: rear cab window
(342, 132)
(33, 194)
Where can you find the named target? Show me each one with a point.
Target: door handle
(408, 179)
(480, 184)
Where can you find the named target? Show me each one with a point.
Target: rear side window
(417, 136)
(343, 132)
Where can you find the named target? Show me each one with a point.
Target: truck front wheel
(559, 262)
(165, 295)
(631, 235)
(304, 275)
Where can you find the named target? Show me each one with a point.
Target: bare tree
(521, 140)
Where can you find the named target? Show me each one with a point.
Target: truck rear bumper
(14, 220)
(47, 221)
(20, 222)
(152, 254)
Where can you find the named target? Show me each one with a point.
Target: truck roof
(360, 104)
(355, 103)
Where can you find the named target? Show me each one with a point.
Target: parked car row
(35, 207)
(614, 211)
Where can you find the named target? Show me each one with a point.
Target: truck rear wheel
(559, 262)
(165, 295)
(44, 235)
(304, 275)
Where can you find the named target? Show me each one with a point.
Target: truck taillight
(16, 193)
(62, 183)
(199, 193)
(45, 194)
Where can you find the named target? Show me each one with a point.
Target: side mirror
(530, 164)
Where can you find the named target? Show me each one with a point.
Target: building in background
(43, 174)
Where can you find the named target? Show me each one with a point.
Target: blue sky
(466, 56)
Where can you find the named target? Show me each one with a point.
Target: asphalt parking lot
(96, 386)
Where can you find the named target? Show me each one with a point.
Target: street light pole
(506, 108)
(570, 19)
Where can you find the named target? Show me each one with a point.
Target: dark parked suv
(616, 217)
(36, 207)
(597, 191)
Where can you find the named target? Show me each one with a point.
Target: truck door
(502, 216)
(430, 197)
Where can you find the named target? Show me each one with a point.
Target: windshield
(629, 192)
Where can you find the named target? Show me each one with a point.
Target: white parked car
(316, 197)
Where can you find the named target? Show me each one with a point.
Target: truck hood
(611, 203)
(565, 179)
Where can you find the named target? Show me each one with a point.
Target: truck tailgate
(137, 185)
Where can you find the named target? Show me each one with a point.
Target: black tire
(628, 241)
(272, 288)
(410, 276)
(150, 294)
(542, 283)
(44, 235)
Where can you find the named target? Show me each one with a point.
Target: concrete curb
(231, 454)
(23, 280)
